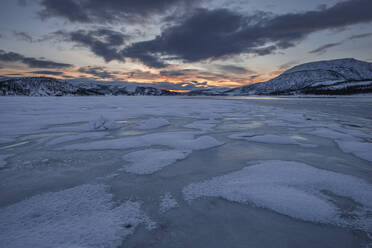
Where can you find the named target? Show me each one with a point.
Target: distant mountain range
(43, 86)
(332, 77)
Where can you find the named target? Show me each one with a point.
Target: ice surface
(67, 138)
(362, 150)
(103, 123)
(177, 140)
(2, 159)
(243, 135)
(336, 192)
(328, 133)
(6, 139)
(268, 138)
(167, 202)
(290, 188)
(274, 139)
(83, 216)
(151, 160)
(203, 125)
(153, 123)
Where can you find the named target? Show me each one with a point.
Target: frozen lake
(80, 172)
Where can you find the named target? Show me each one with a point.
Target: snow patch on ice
(328, 133)
(103, 123)
(268, 138)
(362, 150)
(274, 139)
(177, 140)
(67, 138)
(353, 132)
(83, 216)
(293, 189)
(153, 123)
(151, 160)
(167, 202)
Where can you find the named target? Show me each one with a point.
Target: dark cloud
(360, 36)
(22, 2)
(322, 49)
(88, 11)
(233, 69)
(211, 34)
(22, 36)
(172, 73)
(140, 54)
(55, 73)
(31, 62)
(97, 71)
(104, 43)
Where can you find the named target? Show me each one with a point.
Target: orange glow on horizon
(149, 77)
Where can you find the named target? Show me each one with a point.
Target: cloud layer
(30, 62)
(210, 34)
(93, 11)
(203, 34)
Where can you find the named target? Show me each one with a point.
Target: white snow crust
(153, 123)
(167, 202)
(83, 216)
(290, 188)
(151, 160)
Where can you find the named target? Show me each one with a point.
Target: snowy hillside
(36, 86)
(341, 76)
(42, 86)
(216, 91)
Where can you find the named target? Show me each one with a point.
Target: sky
(178, 44)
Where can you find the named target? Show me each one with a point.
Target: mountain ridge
(327, 77)
(45, 86)
(339, 76)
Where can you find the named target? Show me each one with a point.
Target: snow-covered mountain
(340, 76)
(216, 91)
(42, 86)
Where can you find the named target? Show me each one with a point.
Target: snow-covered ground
(185, 172)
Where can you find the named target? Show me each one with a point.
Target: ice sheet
(328, 133)
(103, 123)
(67, 138)
(153, 123)
(2, 159)
(167, 202)
(203, 125)
(268, 138)
(83, 216)
(292, 199)
(151, 160)
(362, 150)
(177, 140)
(290, 188)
